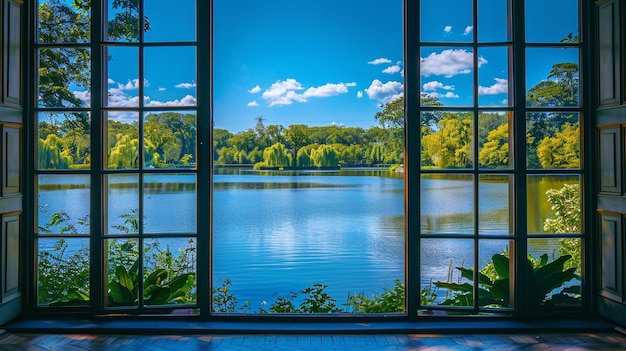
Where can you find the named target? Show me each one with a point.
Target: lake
(280, 232)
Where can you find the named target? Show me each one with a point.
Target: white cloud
(84, 96)
(255, 90)
(110, 81)
(392, 69)
(384, 92)
(162, 89)
(253, 103)
(505, 101)
(449, 63)
(468, 30)
(359, 94)
(449, 95)
(378, 61)
(286, 92)
(185, 85)
(188, 100)
(434, 85)
(501, 86)
(327, 90)
(447, 29)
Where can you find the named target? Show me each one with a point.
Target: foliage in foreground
(543, 279)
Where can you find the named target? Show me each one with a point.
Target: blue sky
(312, 62)
(332, 61)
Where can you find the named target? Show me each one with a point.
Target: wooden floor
(387, 342)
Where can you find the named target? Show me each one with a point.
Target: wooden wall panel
(11, 258)
(611, 279)
(609, 54)
(609, 158)
(13, 58)
(11, 159)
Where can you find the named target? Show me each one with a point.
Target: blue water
(276, 233)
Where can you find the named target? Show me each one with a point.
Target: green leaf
(124, 278)
(501, 265)
(181, 281)
(120, 294)
(466, 287)
(500, 290)
(157, 277)
(160, 296)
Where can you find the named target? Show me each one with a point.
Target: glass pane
(63, 203)
(308, 223)
(169, 140)
(443, 262)
(494, 139)
(447, 140)
(122, 268)
(494, 20)
(553, 140)
(447, 76)
(169, 271)
(440, 24)
(64, 77)
(122, 204)
(493, 77)
(447, 204)
(63, 271)
(62, 21)
(495, 271)
(495, 206)
(64, 140)
(556, 280)
(170, 76)
(169, 203)
(552, 77)
(123, 21)
(553, 21)
(335, 233)
(554, 204)
(165, 22)
(122, 143)
(122, 76)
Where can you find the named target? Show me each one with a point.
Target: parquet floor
(388, 342)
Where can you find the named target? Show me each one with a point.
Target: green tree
(276, 156)
(297, 136)
(495, 152)
(125, 153)
(49, 154)
(562, 150)
(451, 145)
(324, 156)
(559, 89)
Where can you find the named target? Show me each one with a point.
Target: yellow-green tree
(495, 152)
(125, 153)
(276, 156)
(562, 150)
(324, 156)
(450, 146)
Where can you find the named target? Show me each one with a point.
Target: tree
(559, 89)
(451, 145)
(276, 156)
(297, 136)
(495, 152)
(562, 150)
(324, 156)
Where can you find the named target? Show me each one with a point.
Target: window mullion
(204, 52)
(97, 271)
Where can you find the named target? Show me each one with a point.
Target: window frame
(204, 175)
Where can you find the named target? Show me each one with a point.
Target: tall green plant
(543, 279)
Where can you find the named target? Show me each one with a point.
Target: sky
(329, 62)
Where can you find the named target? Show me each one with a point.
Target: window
(139, 210)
